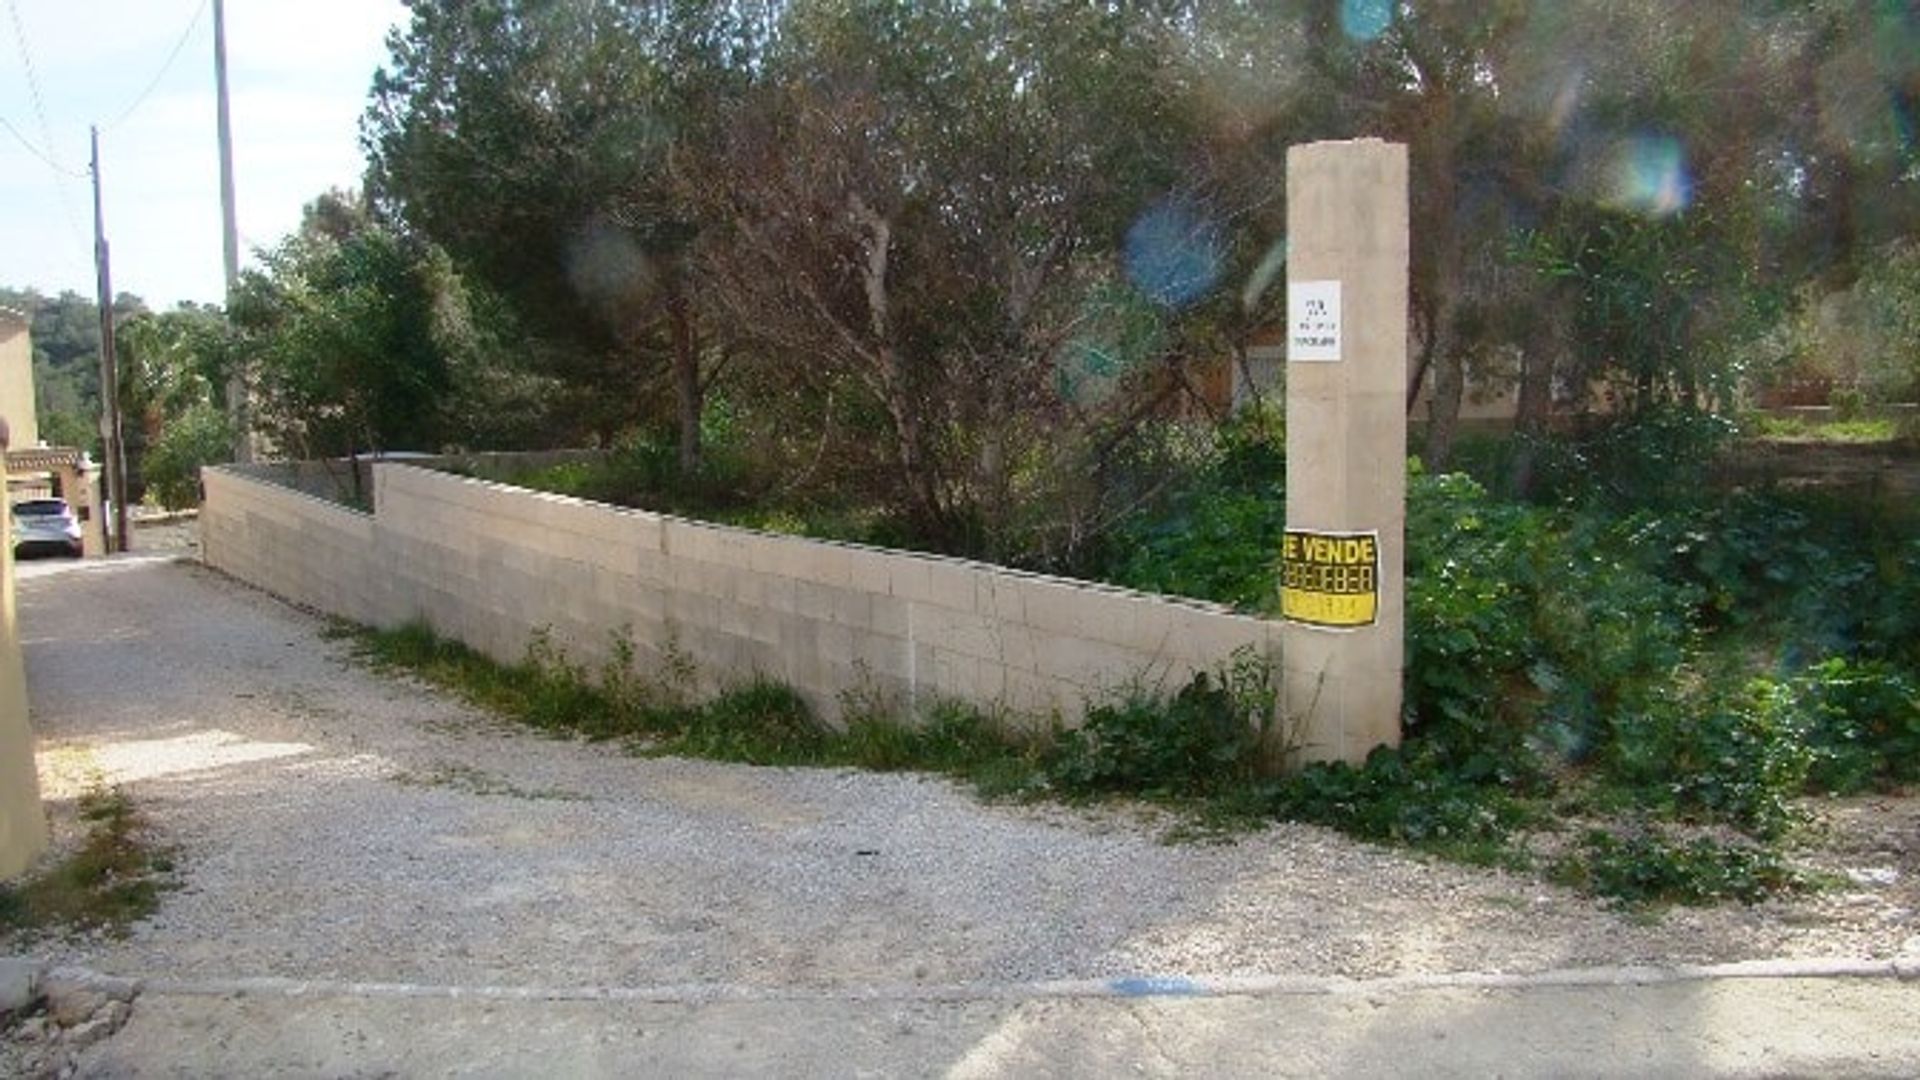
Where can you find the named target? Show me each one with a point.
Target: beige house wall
(23, 825)
(493, 565)
(16, 380)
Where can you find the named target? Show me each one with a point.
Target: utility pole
(238, 410)
(109, 366)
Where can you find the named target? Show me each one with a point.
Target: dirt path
(368, 840)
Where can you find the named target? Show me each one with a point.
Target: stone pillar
(23, 825)
(90, 492)
(1343, 562)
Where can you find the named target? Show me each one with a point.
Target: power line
(27, 67)
(44, 157)
(185, 36)
(40, 110)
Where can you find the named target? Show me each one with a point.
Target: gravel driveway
(336, 824)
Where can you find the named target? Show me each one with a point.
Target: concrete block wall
(493, 565)
(297, 546)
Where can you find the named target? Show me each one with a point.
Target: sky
(298, 72)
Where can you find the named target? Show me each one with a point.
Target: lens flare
(1364, 20)
(1264, 275)
(606, 266)
(1648, 175)
(1173, 254)
(1119, 329)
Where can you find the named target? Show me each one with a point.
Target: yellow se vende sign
(1330, 579)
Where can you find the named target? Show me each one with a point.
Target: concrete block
(763, 625)
(883, 656)
(713, 580)
(685, 540)
(852, 607)
(870, 570)
(1090, 664)
(1055, 607)
(816, 601)
(1000, 596)
(695, 609)
(826, 564)
(650, 566)
(890, 616)
(989, 683)
(951, 584)
(955, 675)
(1037, 699)
(958, 631)
(782, 595)
(798, 635)
(643, 532)
(909, 579)
(749, 588)
(834, 644)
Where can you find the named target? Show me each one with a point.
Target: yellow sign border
(1324, 610)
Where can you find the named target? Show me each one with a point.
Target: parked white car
(45, 527)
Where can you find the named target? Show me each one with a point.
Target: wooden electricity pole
(116, 462)
(238, 410)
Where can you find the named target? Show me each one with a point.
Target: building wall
(493, 565)
(16, 380)
(23, 825)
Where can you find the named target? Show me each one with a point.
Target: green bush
(1209, 735)
(759, 722)
(1647, 868)
(1860, 722)
(1218, 537)
(197, 438)
(1409, 795)
(1721, 755)
(1468, 572)
(1653, 457)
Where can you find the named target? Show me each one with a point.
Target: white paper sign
(1313, 320)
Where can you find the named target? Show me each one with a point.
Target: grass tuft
(114, 880)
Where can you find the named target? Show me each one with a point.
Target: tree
(532, 140)
(924, 208)
(66, 361)
(172, 416)
(357, 331)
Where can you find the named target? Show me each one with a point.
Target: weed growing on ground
(1647, 869)
(113, 881)
(760, 722)
(1204, 739)
(478, 782)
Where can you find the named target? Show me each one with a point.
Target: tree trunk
(910, 436)
(689, 394)
(1530, 418)
(1449, 389)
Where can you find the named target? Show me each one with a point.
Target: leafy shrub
(1652, 457)
(1211, 733)
(1527, 629)
(1467, 608)
(1218, 537)
(1647, 868)
(198, 437)
(1408, 795)
(1732, 756)
(760, 722)
(1860, 721)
